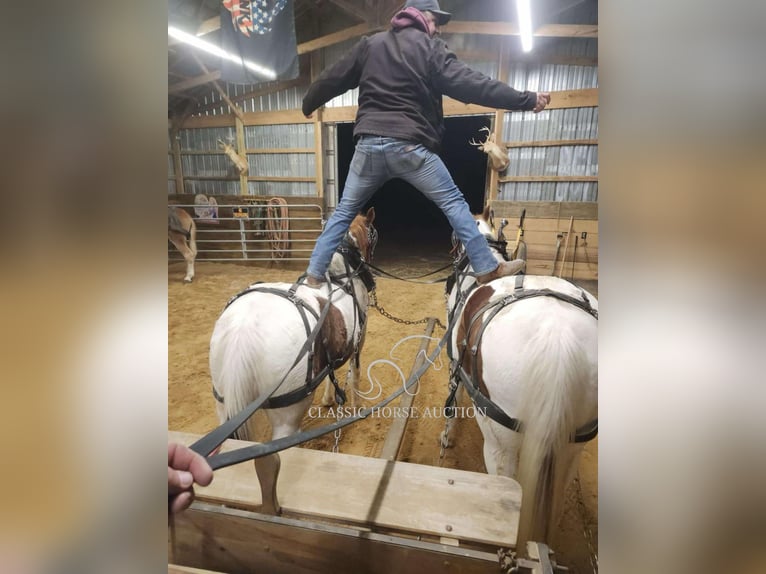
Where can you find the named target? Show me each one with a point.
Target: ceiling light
(525, 24)
(187, 38)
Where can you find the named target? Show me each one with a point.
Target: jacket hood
(412, 18)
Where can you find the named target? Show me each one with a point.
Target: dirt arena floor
(193, 310)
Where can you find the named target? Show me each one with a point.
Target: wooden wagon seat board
(401, 496)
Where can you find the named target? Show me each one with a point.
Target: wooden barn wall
(300, 229)
(544, 222)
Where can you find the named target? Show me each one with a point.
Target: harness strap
(215, 438)
(584, 433)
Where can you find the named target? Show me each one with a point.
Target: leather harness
(472, 382)
(355, 267)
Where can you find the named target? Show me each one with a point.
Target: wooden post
(502, 75)
(318, 143)
(240, 127)
(177, 165)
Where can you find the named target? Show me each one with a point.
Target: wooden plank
(549, 143)
(581, 270)
(280, 150)
(276, 118)
(334, 38)
(565, 99)
(559, 100)
(511, 29)
(376, 493)
(194, 82)
(225, 120)
(241, 542)
(276, 178)
(546, 209)
(395, 433)
(545, 178)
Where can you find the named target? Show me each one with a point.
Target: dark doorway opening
(413, 231)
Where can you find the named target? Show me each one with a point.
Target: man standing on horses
(402, 74)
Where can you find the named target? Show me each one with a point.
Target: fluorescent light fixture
(525, 24)
(187, 38)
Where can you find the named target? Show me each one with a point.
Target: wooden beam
(352, 9)
(511, 29)
(393, 441)
(193, 82)
(549, 143)
(177, 164)
(234, 108)
(334, 38)
(548, 178)
(502, 75)
(269, 88)
(277, 178)
(280, 150)
(318, 131)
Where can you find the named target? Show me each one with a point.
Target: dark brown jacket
(402, 75)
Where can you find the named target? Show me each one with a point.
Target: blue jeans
(378, 159)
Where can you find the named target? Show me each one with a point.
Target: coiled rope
(277, 227)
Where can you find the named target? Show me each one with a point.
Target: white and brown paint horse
(529, 344)
(182, 232)
(261, 332)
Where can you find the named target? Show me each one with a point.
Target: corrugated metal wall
(202, 170)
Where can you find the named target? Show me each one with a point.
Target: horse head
(494, 235)
(364, 235)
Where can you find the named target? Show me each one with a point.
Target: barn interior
(553, 173)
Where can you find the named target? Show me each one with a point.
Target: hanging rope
(277, 227)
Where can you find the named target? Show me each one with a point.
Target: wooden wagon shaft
(395, 434)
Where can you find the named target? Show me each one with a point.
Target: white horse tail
(234, 366)
(553, 376)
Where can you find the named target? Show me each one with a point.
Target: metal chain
(337, 433)
(382, 311)
(587, 533)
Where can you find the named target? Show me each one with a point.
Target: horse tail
(234, 366)
(553, 372)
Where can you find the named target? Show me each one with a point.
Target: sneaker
(313, 282)
(505, 269)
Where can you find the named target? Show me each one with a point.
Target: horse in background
(529, 346)
(182, 232)
(262, 330)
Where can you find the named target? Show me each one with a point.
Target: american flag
(256, 16)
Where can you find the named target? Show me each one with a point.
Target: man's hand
(309, 116)
(543, 99)
(185, 467)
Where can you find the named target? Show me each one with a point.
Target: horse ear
(487, 213)
(370, 215)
